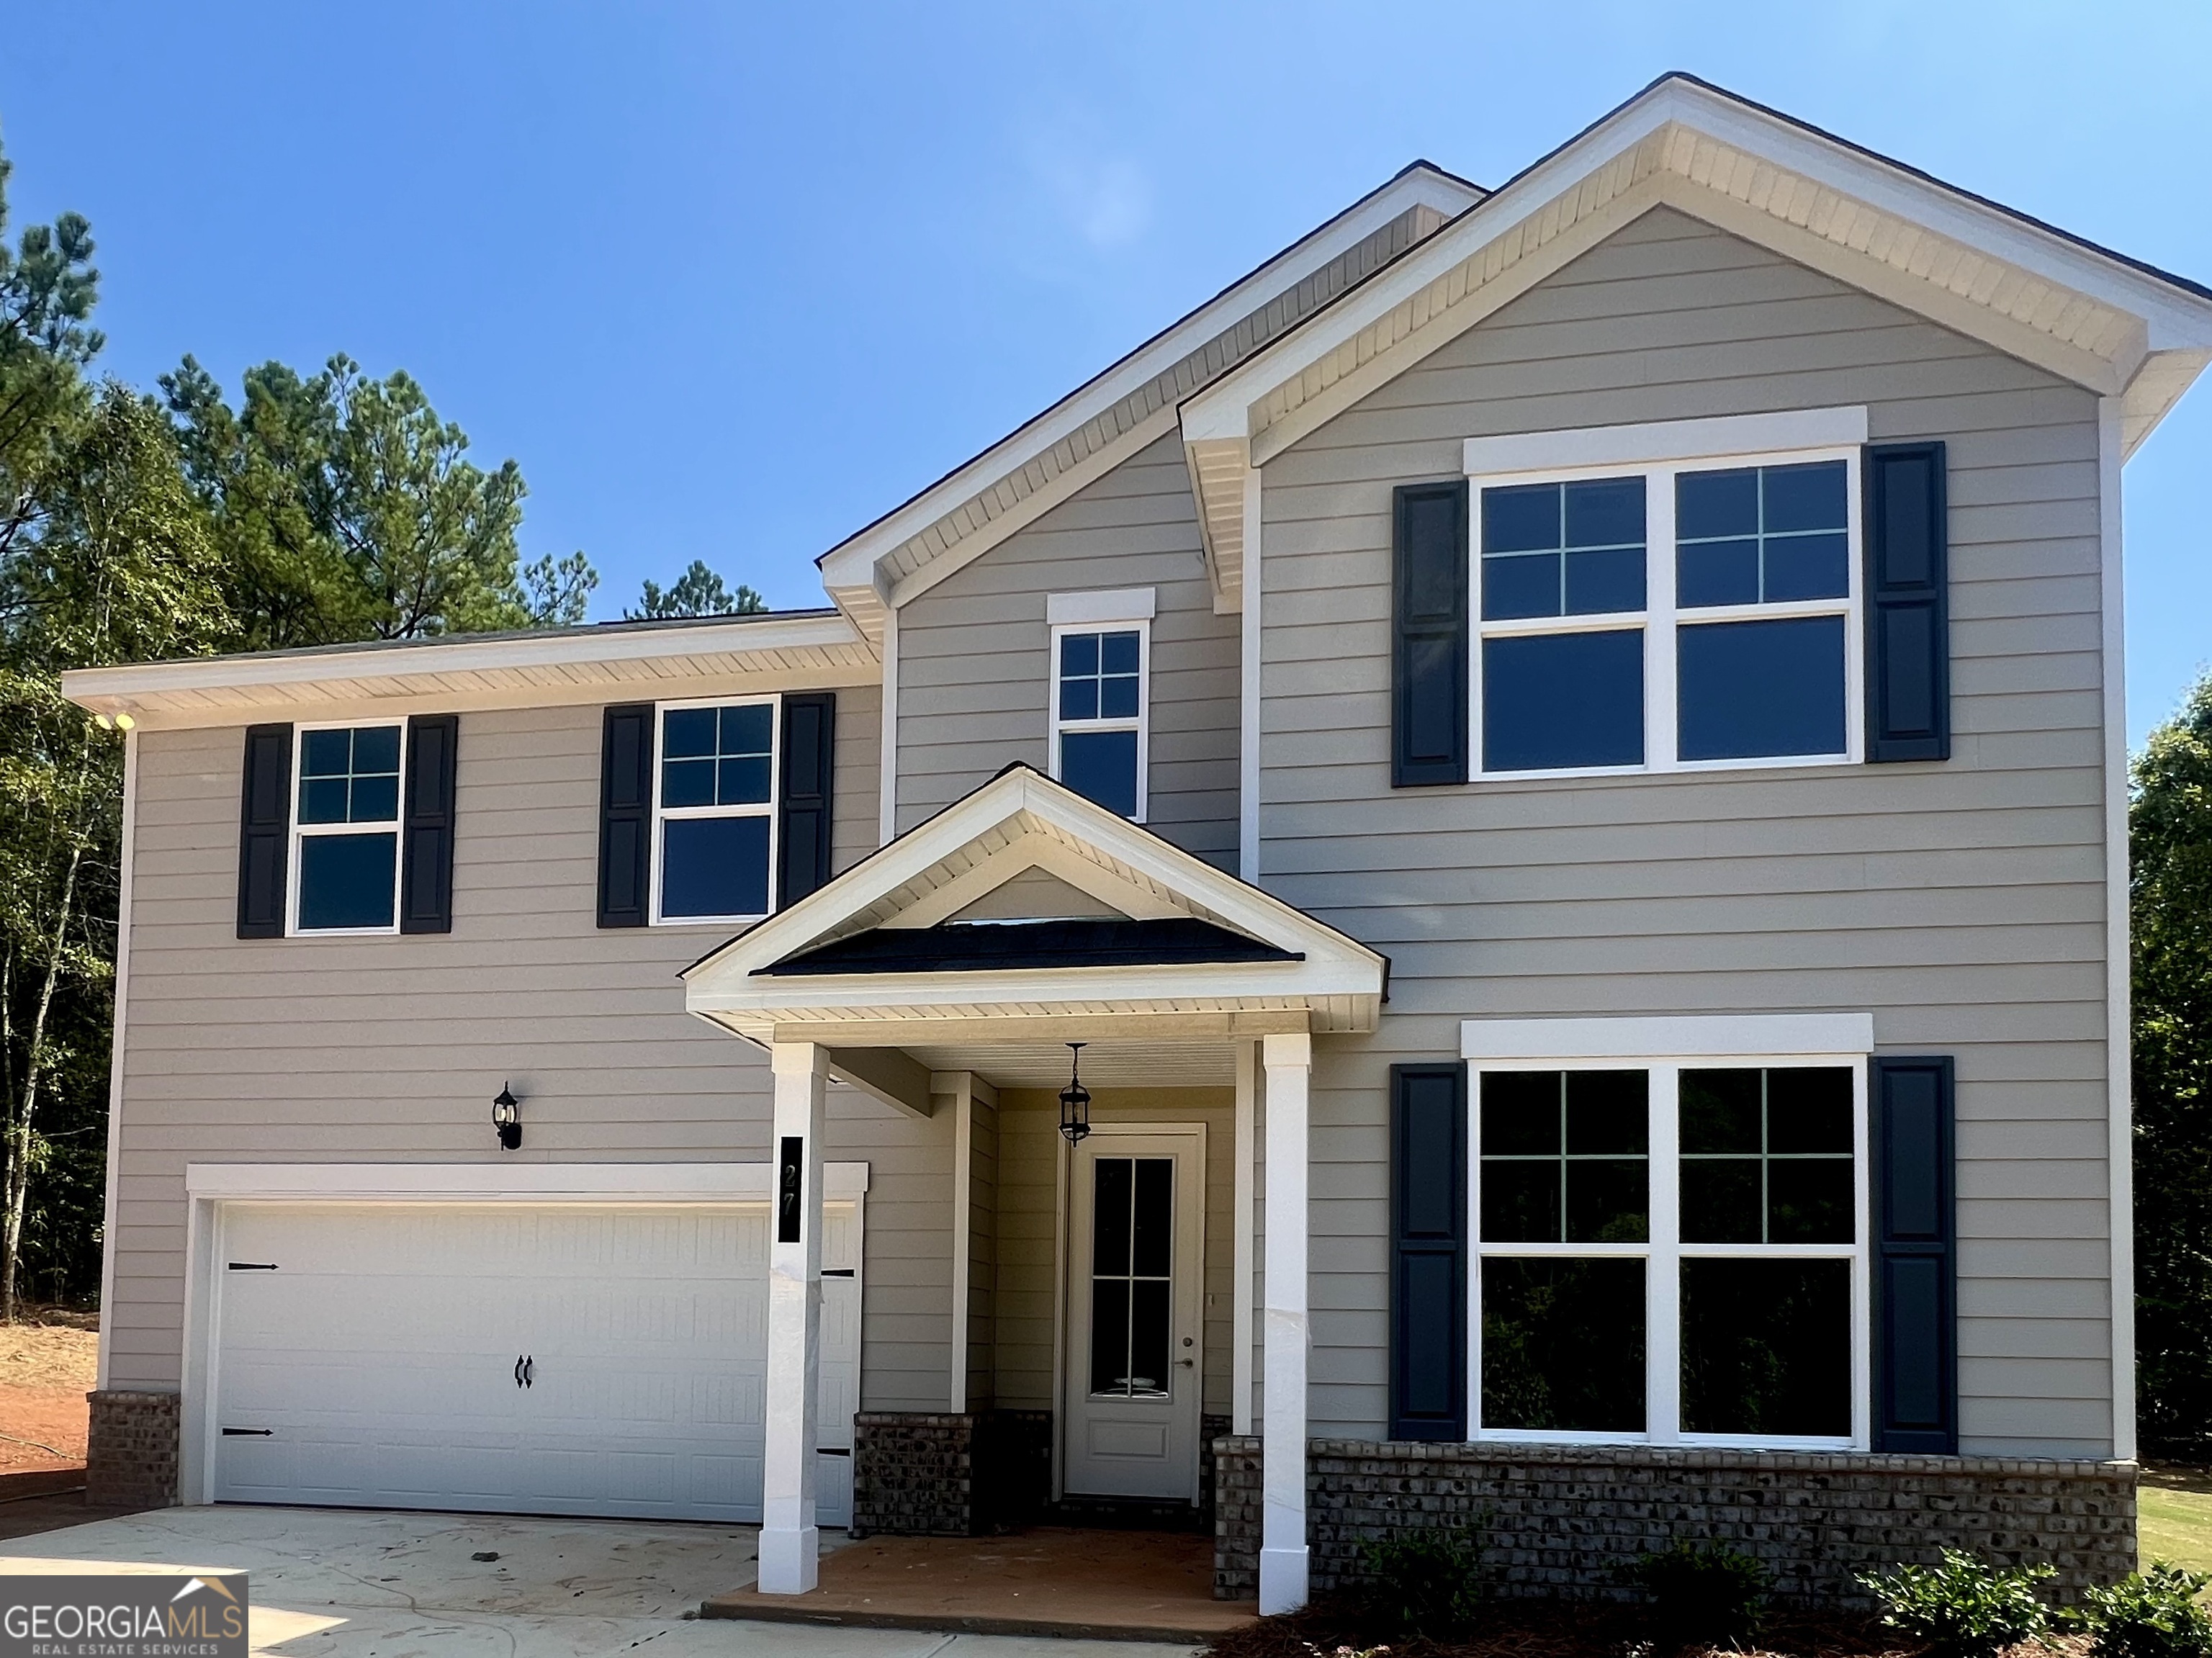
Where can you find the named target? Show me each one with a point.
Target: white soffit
(799, 650)
(2086, 315)
(1131, 404)
(1022, 819)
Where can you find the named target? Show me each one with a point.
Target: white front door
(569, 1359)
(1136, 1236)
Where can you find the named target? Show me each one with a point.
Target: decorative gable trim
(1084, 436)
(1020, 820)
(2085, 314)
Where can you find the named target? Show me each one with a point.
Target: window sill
(1807, 763)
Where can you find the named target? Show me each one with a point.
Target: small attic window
(1101, 654)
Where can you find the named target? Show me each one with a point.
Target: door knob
(529, 1372)
(517, 1369)
(1186, 1362)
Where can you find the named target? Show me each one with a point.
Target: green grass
(2173, 1509)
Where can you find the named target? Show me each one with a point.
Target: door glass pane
(1132, 1261)
(1110, 1226)
(1563, 1345)
(1153, 1218)
(1766, 1347)
(1110, 1334)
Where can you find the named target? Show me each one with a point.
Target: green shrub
(1699, 1594)
(2153, 1615)
(1964, 1608)
(1424, 1580)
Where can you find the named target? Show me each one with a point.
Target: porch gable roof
(877, 956)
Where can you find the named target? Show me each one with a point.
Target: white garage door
(561, 1358)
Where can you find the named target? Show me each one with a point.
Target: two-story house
(1489, 877)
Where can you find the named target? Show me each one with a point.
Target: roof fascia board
(2175, 318)
(1031, 507)
(1147, 984)
(851, 564)
(1006, 797)
(2172, 318)
(372, 663)
(563, 693)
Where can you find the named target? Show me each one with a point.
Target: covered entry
(949, 972)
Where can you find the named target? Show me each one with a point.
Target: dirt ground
(47, 1367)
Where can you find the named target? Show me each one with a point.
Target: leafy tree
(697, 591)
(47, 289)
(113, 562)
(347, 510)
(2170, 836)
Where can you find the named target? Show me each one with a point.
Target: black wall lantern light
(1075, 1098)
(505, 1118)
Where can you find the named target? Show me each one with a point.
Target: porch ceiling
(1105, 1064)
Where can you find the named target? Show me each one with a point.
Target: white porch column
(1289, 1063)
(789, 1545)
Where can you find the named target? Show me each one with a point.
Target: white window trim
(1142, 724)
(1102, 605)
(1664, 1251)
(1660, 619)
(297, 831)
(769, 808)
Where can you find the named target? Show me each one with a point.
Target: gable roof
(2112, 324)
(869, 958)
(1111, 416)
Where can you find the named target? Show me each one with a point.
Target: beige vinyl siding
(1961, 903)
(1029, 1176)
(975, 661)
(389, 1049)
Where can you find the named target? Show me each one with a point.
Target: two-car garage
(515, 1357)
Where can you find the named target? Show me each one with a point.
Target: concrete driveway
(354, 1583)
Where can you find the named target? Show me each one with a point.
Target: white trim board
(495, 1183)
(2119, 1141)
(1735, 1037)
(1103, 604)
(1652, 441)
(111, 1199)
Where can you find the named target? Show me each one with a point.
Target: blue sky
(729, 281)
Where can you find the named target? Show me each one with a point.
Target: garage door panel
(379, 1356)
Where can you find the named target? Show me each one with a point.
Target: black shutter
(265, 825)
(626, 814)
(1429, 648)
(1916, 1324)
(803, 805)
(1908, 612)
(426, 866)
(1428, 1252)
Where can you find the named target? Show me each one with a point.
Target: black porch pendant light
(1075, 1098)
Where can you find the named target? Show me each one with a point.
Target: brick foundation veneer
(1557, 1519)
(131, 1456)
(936, 1474)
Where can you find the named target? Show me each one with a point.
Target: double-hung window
(714, 811)
(1100, 727)
(1670, 1252)
(345, 830)
(1682, 613)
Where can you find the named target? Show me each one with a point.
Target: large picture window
(345, 830)
(714, 811)
(1670, 1253)
(1668, 616)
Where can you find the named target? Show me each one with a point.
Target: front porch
(1129, 1269)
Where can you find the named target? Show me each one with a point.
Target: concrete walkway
(367, 1584)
